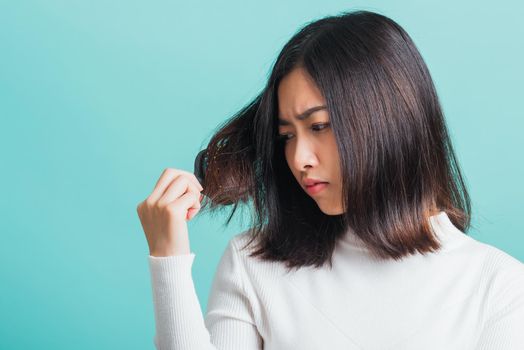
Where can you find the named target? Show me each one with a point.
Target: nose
(304, 154)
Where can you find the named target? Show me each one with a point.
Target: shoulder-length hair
(396, 158)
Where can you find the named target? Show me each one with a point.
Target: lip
(316, 188)
(311, 181)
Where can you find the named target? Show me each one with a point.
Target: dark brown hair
(397, 161)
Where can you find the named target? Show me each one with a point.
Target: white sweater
(469, 295)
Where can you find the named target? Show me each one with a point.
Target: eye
(282, 137)
(314, 127)
(318, 127)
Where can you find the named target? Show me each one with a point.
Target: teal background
(98, 97)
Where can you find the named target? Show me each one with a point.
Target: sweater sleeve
(178, 318)
(504, 329)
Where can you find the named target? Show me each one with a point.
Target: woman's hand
(164, 214)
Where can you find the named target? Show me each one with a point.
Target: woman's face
(310, 148)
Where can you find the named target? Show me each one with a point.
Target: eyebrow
(307, 113)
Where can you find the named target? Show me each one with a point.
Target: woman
(358, 239)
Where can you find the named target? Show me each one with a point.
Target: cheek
(287, 155)
(332, 154)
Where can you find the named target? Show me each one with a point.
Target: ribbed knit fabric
(468, 295)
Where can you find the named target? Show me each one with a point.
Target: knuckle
(160, 204)
(178, 178)
(182, 174)
(170, 171)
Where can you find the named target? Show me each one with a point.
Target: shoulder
(239, 244)
(498, 268)
(234, 253)
(231, 270)
(498, 264)
(502, 281)
(236, 268)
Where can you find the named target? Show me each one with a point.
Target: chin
(331, 211)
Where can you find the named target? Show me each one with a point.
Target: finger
(176, 189)
(196, 196)
(193, 210)
(193, 178)
(191, 213)
(166, 178)
(185, 202)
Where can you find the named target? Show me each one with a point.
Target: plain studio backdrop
(98, 97)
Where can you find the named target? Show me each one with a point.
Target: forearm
(179, 322)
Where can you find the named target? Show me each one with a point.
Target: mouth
(316, 187)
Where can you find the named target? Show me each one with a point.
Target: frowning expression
(310, 147)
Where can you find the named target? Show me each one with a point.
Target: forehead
(297, 93)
